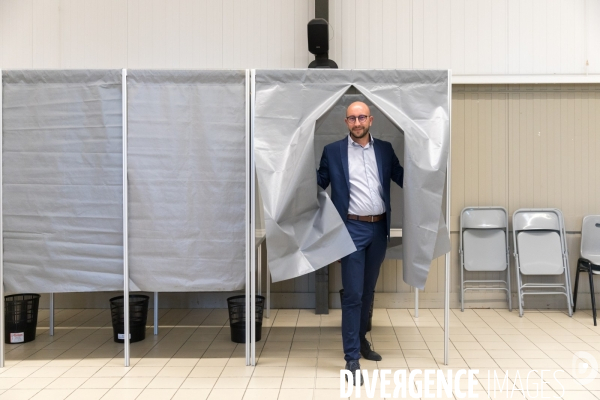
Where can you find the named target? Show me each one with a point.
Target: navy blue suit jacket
(334, 169)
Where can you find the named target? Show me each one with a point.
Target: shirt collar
(353, 143)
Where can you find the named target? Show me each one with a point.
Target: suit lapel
(379, 159)
(344, 156)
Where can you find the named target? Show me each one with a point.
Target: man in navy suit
(360, 169)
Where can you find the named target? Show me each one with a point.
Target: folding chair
(540, 251)
(484, 248)
(564, 241)
(590, 256)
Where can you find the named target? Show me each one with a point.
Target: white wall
(471, 37)
(154, 33)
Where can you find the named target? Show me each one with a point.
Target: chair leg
(462, 283)
(575, 288)
(592, 293)
(508, 288)
(519, 291)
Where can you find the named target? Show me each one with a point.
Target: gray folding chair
(484, 248)
(540, 251)
(564, 240)
(590, 256)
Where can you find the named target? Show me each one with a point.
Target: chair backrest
(544, 219)
(484, 238)
(590, 238)
(483, 218)
(539, 243)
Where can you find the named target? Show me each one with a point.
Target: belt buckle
(372, 218)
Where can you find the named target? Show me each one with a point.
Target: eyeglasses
(361, 118)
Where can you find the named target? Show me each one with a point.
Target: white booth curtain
(304, 230)
(62, 181)
(186, 171)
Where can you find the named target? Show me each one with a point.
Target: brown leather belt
(367, 218)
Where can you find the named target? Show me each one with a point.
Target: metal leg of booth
(126, 356)
(259, 272)
(268, 292)
(51, 314)
(416, 303)
(155, 313)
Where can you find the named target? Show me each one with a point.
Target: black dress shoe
(354, 366)
(367, 353)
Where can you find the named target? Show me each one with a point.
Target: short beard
(366, 132)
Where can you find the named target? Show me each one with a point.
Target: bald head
(359, 120)
(358, 108)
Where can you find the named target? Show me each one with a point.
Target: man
(359, 169)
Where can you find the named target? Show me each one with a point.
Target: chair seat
(540, 253)
(484, 250)
(593, 258)
(584, 262)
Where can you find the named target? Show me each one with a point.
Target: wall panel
(16, 38)
(155, 34)
(471, 37)
(46, 38)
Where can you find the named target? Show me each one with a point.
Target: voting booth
(141, 180)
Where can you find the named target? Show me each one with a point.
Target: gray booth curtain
(303, 228)
(62, 181)
(186, 171)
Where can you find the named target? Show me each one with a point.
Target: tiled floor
(300, 356)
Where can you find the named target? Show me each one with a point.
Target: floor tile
(298, 383)
(80, 372)
(33, 383)
(265, 383)
(226, 394)
(156, 394)
(13, 394)
(140, 371)
(122, 394)
(191, 394)
(87, 394)
(112, 371)
(261, 394)
(297, 394)
(7, 383)
(232, 383)
(66, 383)
(133, 382)
(53, 394)
(166, 382)
(199, 383)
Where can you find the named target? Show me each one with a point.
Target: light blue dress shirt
(366, 193)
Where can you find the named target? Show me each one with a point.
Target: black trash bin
(369, 325)
(138, 315)
(237, 317)
(20, 317)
